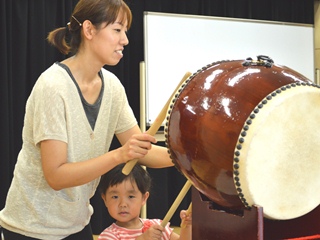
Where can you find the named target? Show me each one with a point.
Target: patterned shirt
(114, 232)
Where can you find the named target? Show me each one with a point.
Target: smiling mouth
(119, 51)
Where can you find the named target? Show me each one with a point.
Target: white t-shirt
(54, 111)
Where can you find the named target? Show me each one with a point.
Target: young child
(124, 195)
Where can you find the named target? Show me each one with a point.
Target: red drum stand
(213, 222)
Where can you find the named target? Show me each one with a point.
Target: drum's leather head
(279, 159)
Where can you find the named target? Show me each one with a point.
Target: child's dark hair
(115, 176)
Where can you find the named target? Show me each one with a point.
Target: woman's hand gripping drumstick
(155, 126)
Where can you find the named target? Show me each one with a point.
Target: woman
(72, 114)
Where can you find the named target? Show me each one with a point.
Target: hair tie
(68, 27)
(68, 32)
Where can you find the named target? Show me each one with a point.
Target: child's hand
(154, 232)
(186, 218)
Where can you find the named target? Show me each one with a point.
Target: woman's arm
(61, 174)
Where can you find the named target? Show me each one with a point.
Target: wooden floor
(175, 229)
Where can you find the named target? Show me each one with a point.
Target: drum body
(245, 133)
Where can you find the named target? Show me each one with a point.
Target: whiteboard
(175, 44)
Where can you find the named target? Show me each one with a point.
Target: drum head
(278, 156)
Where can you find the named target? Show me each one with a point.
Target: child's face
(124, 202)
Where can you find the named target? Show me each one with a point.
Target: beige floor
(175, 229)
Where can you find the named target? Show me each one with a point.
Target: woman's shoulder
(110, 77)
(55, 68)
(54, 75)
(111, 82)
(107, 73)
(54, 80)
(51, 72)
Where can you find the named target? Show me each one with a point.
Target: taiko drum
(246, 132)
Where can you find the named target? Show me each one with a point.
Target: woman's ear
(88, 29)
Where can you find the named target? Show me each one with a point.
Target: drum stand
(210, 222)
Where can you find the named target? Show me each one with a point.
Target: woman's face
(109, 41)
(124, 202)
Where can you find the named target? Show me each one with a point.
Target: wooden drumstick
(183, 222)
(155, 126)
(176, 203)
